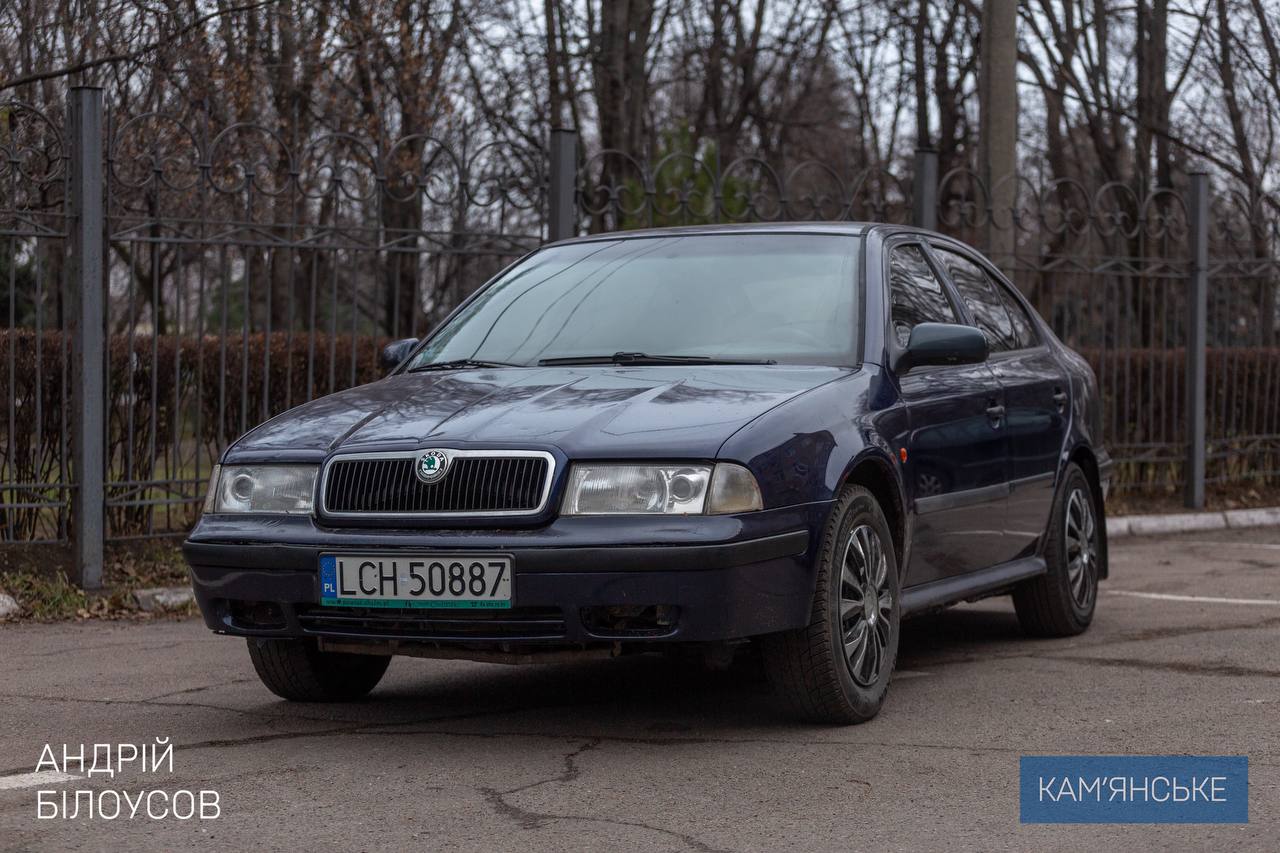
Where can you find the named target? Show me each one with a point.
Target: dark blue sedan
(792, 435)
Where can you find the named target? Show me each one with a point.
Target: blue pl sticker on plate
(328, 576)
(1134, 788)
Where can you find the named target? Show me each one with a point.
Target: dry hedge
(178, 399)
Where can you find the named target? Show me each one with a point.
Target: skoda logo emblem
(432, 465)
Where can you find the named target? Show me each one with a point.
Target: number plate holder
(425, 580)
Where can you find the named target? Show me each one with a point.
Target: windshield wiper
(460, 363)
(646, 358)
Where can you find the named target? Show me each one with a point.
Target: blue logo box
(328, 576)
(1134, 788)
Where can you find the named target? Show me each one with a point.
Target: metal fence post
(561, 206)
(924, 190)
(86, 303)
(1197, 337)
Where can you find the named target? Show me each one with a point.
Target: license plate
(415, 580)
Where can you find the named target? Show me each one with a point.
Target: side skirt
(940, 593)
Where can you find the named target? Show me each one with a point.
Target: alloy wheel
(866, 605)
(1082, 549)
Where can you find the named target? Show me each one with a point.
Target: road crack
(529, 819)
(570, 772)
(501, 803)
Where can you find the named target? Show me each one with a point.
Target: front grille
(474, 483)
(518, 623)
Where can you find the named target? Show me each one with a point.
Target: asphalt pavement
(650, 754)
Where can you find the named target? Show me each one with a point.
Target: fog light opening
(630, 620)
(257, 614)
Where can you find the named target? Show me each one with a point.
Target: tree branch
(133, 54)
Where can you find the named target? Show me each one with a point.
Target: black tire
(808, 667)
(1061, 602)
(298, 671)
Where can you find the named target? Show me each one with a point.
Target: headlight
(660, 490)
(262, 488)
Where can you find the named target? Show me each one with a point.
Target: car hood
(682, 411)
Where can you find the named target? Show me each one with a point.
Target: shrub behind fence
(169, 418)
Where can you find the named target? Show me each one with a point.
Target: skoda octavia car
(791, 435)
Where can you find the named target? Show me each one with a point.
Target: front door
(956, 464)
(957, 470)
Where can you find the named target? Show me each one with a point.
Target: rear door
(956, 463)
(1035, 391)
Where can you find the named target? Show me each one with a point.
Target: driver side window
(915, 293)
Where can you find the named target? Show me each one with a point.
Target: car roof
(850, 229)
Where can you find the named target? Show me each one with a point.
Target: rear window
(985, 303)
(1023, 328)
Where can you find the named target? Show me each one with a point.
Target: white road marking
(30, 780)
(1164, 596)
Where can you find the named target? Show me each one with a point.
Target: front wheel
(298, 671)
(837, 668)
(1060, 603)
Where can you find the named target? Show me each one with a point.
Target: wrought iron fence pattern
(35, 477)
(246, 273)
(617, 190)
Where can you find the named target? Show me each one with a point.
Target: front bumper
(707, 578)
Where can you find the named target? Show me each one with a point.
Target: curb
(161, 598)
(1182, 522)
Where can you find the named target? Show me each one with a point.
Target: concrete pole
(562, 211)
(87, 301)
(1197, 339)
(924, 193)
(998, 125)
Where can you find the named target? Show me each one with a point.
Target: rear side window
(915, 292)
(1023, 328)
(986, 305)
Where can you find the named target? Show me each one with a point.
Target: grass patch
(144, 564)
(1218, 496)
(45, 593)
(45, 599)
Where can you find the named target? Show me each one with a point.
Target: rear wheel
(1061, 602)
(298, 671)
(837, 668)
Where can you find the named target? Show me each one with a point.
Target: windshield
(733, 297)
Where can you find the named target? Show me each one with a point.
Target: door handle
(996, 413)
(1060, 399)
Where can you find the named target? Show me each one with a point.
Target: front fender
(804, 450)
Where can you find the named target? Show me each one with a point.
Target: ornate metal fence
(233, 274)
(241, 274)
(1110, 270)
(248, 274)
(35, 477)
(618, 191)
(1242, 331)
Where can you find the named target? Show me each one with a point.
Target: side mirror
(942, 343)
(396, 352)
